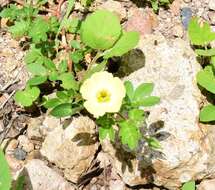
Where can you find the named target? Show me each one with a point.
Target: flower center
(103, 96)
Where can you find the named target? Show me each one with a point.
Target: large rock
(72, 149)
(41, 177)
(207, 185)
(188, 153)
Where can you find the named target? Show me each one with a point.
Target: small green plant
(110, 101)
(5, 176)
(201, 35)
(190, 185)
(157, 3)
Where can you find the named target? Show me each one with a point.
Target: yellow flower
(103, 93)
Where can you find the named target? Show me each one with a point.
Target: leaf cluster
(131, 117)
(201, 36)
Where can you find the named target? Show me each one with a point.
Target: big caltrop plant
(80, 81)
(201, 35)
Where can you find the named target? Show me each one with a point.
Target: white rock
(172, 67)
(72, 149)
(207, 185)
(116, 185)
(41, 177)
(211, 4)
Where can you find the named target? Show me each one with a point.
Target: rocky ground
(40, 148)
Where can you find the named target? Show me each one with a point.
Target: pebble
(20, 154)
(178, 31)
(13, 144)
(25, 144)
(186, 15)
(33, 130)
(211, 15)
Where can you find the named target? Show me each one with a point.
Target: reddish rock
(141, 20)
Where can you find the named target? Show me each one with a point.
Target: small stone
(178, 31)
(13, 144)
(175, 7)
(187, 1)
(142, 21)
(115, 7)
(211, 15)
(207, 185)
(35, 154)
(25, 144)
(20, 154)
(186, 15)
(33, 130)
(15, 165)
(41, 177)
(49, 124)
(211, 5)
(116, 185)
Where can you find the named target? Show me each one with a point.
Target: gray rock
(20, 154)
(41, 177)
(171, 65)
(72, 149)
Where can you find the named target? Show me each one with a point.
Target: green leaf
(72, 25)
(86, 3)
(38, 30)
(153, 143)
(62, 95)
(20, 183)
(33, 55)
(208, 52)
(129, 89)
(106, 132)
(136, 114)
(148, 101)
(27, 96)
(127, 41)
(11, 12)
(53, 24)
(189, 186)
(94, 69)
(207, 114)
(62, 110)
(52, 103)
(36, 69)
(155, 5)
(68, 81)
(5, 176)
(145, 89)
(49, 64)
(100, 30)
(19, 29)
(75, 44)
(200, 34)
(37, 80)
(53, 76)
(129, 134)
(62, 66)
(206, 79)
(77, 56)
